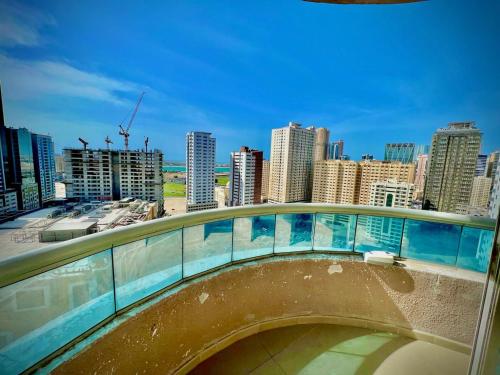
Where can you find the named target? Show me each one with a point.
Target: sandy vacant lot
(175, 205)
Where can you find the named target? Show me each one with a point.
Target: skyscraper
(321, 140)
(373, 171)
(420, 175)
(265, 180)
(492, 163)
(494, 205)
(403, 152)
(291, 161)
(245, 182)
(336, 150)
(45, 167)
(200, 171)
(452, 165)
(481, 165)
(480, 194)
(336, 181)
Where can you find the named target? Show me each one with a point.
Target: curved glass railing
(50, 297)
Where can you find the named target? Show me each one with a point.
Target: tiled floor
(329, 349)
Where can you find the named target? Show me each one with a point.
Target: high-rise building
(265, 180)
(245, 182)
(391, 194)
(420, 174)
(367, 157)
(200, 171)
(481, 165)
(336, 150)
(45, 167)
(8, 196)
(452, 165)
(492, 163)
(336, 181)
(373, 171)
(20, 174)
(494, 205)
(291, 161)
(480, 194)
(321, 144)
(102, 175)
(420, 150)
(403, 152)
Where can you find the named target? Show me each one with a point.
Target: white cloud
(21, 25)
(24, 79)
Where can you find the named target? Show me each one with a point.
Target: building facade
(494, 205)
(321, 142)
(373, 171)
(391, 194)
(45, 167)
(104, 175)
(452, 165)
(265, 180)
(492, 164)
(200, 171)
(291, 163)
(245, 180)
(336, 150)
(336, 181)
(480, 194)
(403, 152)
(420, 174)
(481, 165)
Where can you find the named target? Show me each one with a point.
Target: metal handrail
(35, 262)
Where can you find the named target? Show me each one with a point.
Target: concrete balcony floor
(332, 349)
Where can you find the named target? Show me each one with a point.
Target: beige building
(391, 194)
(452, 165)
(480, 195)
(420, 174)
(265, 180)
(373, 171)
(321, 141)
(336, 181)
(290, 174)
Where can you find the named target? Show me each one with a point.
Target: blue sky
(371, 74)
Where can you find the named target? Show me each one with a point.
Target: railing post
(113, 275)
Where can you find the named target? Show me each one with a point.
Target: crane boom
(135, 111)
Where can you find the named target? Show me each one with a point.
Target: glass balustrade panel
(41, 314)
(475, 249)
(253, 236)
(377, 233)
(334, 232)
(207, 246)
(146, 266)
(430, 241)
(293, 232)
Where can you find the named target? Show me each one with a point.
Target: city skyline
(207, 80)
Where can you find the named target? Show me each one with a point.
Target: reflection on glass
(475, 249)
(334, 232)
(293, 232)
(378, 233)
(146, 266)
(45, 312)
(435, 242)
(253, 236)
(207, 246)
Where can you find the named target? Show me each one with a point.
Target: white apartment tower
(245, 180)
(291, 163)
(265, 180)
(391, 193)
(200, 171)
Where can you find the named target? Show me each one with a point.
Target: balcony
(175, 294)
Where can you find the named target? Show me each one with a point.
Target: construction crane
(146, 141)
(108, 141)
(84, 143)
(125, 131)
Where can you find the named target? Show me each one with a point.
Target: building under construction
(105, 175)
